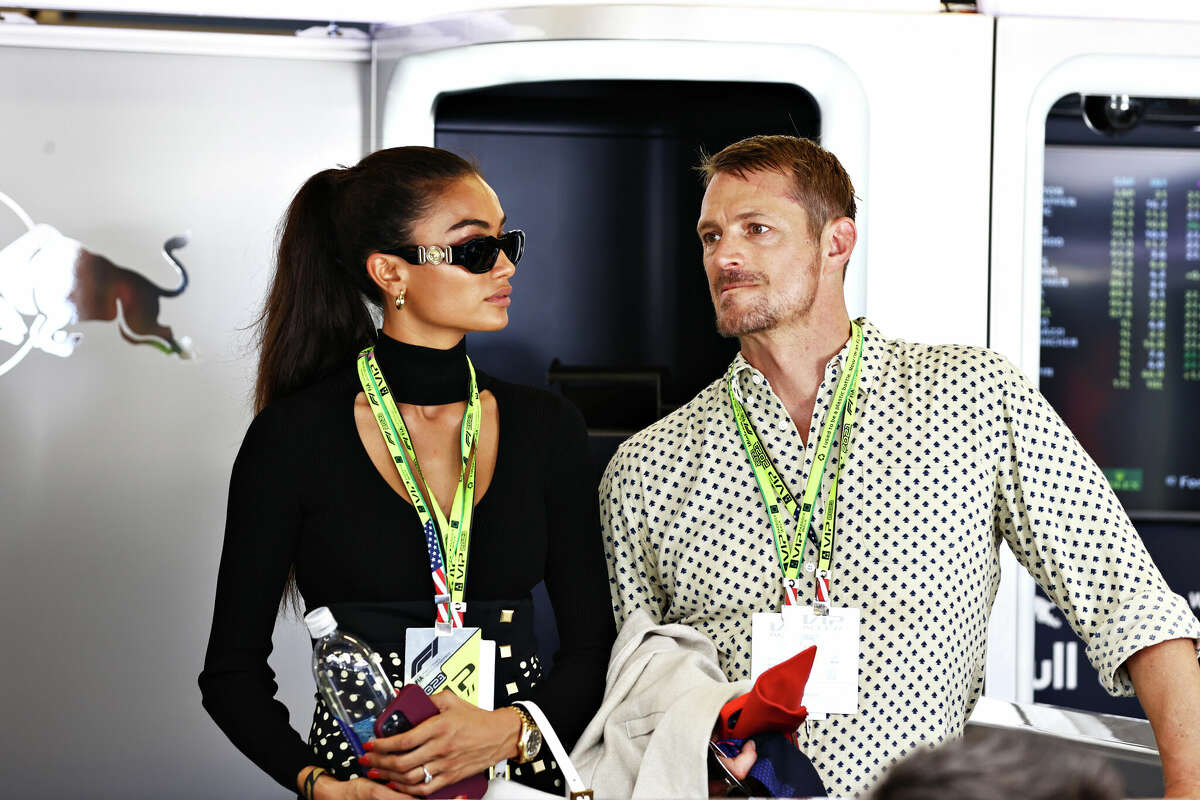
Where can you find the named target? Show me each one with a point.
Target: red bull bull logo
(49, 282)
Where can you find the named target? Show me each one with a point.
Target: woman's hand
(460, 741)
(358, 789)
(328, 787)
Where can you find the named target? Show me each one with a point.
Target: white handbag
(500, 789)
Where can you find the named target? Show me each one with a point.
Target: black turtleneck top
(304, 492)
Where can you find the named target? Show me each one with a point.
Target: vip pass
(840, 423)
(448, 540)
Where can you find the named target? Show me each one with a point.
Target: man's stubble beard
(759, 317)
(767, 312)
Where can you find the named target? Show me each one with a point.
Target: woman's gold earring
(400, 299)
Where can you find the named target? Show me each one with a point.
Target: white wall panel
(114, 462)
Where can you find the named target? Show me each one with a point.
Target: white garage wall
(114, 463)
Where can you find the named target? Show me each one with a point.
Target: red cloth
(775, 703)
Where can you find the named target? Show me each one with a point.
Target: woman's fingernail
(372, 773)
(364, 760)
(369, 745)
(394, 786)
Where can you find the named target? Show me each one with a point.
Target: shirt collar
(748, 381)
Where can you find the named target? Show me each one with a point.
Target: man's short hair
(820, 183)
(999, 765)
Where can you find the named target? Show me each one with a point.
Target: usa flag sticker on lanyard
(441, 593)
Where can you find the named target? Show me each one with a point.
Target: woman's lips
(501, 298)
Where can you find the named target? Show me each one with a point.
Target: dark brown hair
(316, 315)
(999, 765)
(820, 183)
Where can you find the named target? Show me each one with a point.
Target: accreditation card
(832, 686)
(463, 662)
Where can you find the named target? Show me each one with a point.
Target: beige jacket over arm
(663, 693)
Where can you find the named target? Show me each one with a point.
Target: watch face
(535, 743)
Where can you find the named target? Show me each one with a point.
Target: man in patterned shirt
(951, 452)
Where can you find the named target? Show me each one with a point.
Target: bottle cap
(320, 622)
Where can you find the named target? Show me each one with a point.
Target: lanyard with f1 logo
(447, 540)
(839, 423)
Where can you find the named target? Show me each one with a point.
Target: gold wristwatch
(529, 741)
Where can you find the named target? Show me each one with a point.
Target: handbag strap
(574, 783)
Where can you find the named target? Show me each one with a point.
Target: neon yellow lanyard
(448, 541)
(839, 421)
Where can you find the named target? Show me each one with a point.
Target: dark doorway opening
(600, 175)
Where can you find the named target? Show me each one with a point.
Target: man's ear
(837, 242)
(389, 273)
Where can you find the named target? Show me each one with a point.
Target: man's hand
(458, 742)
(739, 766)
(1167, 679)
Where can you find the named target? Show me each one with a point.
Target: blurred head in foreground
(999, 766)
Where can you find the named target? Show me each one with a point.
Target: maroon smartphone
(409, 708)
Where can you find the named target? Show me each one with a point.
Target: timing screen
(1120, 326)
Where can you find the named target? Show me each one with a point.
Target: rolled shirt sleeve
(1066, 526)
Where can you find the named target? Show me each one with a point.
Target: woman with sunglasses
(377, 459)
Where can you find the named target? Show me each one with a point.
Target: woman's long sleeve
(575, 578)
(237, 685)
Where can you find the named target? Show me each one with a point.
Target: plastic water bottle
(349, 677)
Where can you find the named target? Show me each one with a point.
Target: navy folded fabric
(781, 768)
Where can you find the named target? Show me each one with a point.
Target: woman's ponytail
(315, 318)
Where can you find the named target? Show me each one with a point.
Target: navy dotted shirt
(954, 451)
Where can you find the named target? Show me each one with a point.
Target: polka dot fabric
(954, 451)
